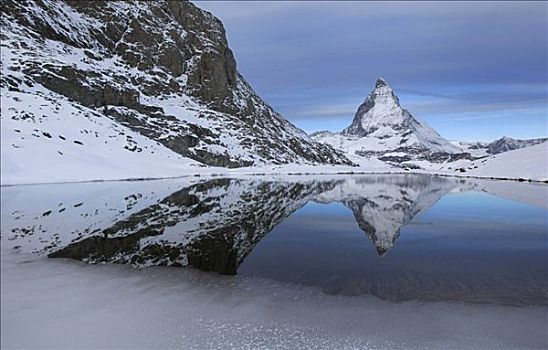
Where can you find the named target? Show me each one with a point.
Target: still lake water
(395, 237)
(468, 247)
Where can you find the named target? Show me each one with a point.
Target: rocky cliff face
(381, 128)
(161, 70)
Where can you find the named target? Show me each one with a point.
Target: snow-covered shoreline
(525, 164)
(289, 171)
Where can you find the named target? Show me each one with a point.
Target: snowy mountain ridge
(504, 144)
(381, 116)
(134, 80)
(385, 135)
(382, 129)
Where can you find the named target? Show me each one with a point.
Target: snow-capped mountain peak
(383, 129)
(380, 82)
(380, 108)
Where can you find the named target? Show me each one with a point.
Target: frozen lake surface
(342, 262)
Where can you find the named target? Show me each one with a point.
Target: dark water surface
(470, 246)
(395, 237)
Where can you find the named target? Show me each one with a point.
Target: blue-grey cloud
(313, 61)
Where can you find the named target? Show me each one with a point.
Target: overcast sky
(472, 70)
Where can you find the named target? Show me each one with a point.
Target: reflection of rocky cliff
(212, 225)
(215, 224)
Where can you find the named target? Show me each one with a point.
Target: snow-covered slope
(47, 140)
(153, 84)
(529, 163)
(382, 129)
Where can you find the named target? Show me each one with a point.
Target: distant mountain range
(504, 144)
(384, 131)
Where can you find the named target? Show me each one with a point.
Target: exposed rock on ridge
(162, 69)
(505, 144)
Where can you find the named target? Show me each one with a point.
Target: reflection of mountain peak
(215, 224)
(383, 210)
(382, 232)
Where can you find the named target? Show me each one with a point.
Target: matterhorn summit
(382, 129)
(380, 108)
(381, 116)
